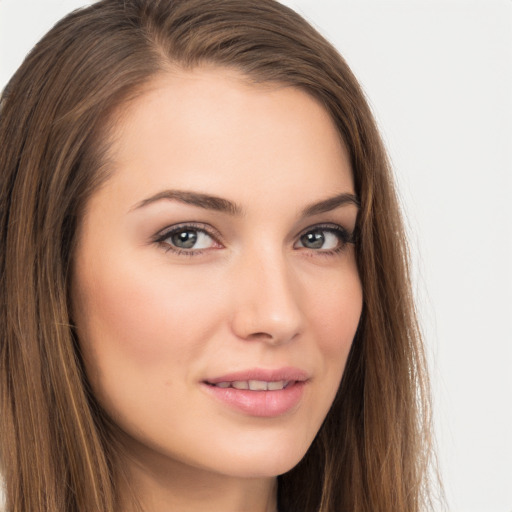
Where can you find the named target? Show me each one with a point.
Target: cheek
(334, 315)
(132, 321)
(337, 305)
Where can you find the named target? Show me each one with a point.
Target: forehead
(211, 128)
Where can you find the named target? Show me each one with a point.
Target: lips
(259, 392)
(255, 385)
(262, 375)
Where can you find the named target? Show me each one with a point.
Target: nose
(266, 300)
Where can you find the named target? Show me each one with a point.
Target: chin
(263, 463)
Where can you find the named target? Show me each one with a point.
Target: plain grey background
(438, 74)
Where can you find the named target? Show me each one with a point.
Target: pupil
(184, 239)
(313, 240)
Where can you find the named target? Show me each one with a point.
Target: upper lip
(263, 374)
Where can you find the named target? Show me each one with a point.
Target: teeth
(255, 385)
(258, 385)
(240, 384)
(274, 386)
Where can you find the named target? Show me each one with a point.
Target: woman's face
(215, 289)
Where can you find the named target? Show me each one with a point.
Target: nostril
(259, 335)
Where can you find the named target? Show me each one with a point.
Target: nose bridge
(267, 303)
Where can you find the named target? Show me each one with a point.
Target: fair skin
(182, 300)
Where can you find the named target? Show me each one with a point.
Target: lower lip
(264, 404)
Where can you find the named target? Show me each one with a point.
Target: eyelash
(161, 238)
(344, 236)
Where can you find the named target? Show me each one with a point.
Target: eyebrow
(209, 202)
(330, 204)
(205, 201)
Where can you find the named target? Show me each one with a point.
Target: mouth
(259, 392)
(254, 385)
(260, 379)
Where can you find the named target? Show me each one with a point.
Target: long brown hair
(57, 452)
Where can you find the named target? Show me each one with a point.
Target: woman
(206, 302)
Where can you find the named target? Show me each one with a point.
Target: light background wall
(438, 74)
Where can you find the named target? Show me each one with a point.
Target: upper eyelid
(327, 226)
(199, 226)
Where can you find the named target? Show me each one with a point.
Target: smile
(254, 385)
(259, 392)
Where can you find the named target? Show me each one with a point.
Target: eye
(189, 239)
(327, 239)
